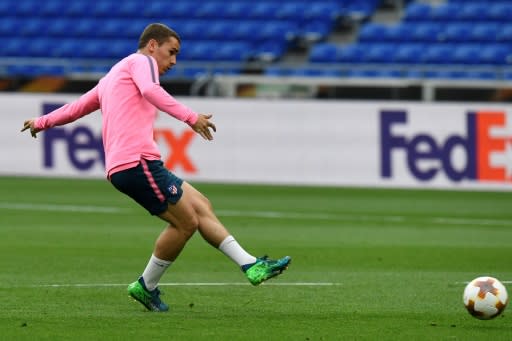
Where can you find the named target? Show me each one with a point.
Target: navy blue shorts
(150, 184)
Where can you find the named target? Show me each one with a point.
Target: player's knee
(207, 203)
(189, 227)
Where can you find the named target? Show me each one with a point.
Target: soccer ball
(485, 297)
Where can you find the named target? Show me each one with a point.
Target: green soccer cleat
(264, 269)
(149, 299)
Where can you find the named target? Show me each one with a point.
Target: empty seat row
(385, 72)
(105, 49)
(413, 53)
(286, 10)
(468, 11)
(253, 30)
(36, 70)
(434, 32)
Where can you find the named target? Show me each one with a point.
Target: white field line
(202, 284)
(186, 284)
(265, 214)
(60, 208)
(348, 217)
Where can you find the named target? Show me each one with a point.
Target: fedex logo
(84, 147)
(486, 145)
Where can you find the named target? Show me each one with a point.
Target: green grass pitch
(368, 264)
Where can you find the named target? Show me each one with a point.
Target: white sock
(233, 250)
(154, 271)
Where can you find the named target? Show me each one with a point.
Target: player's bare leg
(194, 212)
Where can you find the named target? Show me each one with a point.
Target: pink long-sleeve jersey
(128, 96)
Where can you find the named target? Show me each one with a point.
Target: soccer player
(128, 97)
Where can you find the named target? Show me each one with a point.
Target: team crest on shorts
(173, 190)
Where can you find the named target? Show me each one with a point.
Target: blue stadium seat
(507, 75)
(399, 33)
(66, 48)
(106, 9)
(275, 30)
(60, 27)
(352, 53)
(323, 53)
(16, 47)
(437, 54)
(53, 8)
(20, 70)
(465, 54)
(295, 11)
(409, 53)
(481, 75)
(372, 32)
(269, 51)
(134, 27)
(277, 71)
(177, 10)
(315, 31)
(444, 12)
(76, 8)
(94, 48)
(306, 71)
(495, 54)
(26, 8)
(472, 12)
(417, 11)
(199, 50)
(246, 30)
(111, 28)
(232, 51)
(485, 32)
(457, 32)
(6, 8)
(209, 10)
(325, 11)
(9, 25)
(237, 10)
(41, 47)
(48, 70)
(155, 9)
(379, 53)
(84, 27)
(374, 73)
(193, 29)
(499, 11)
(425, 32)
(218, 30)
(444, 74)
(504, 33)
(129, 8)
(264, 10)
(361, 10)
(121, 48)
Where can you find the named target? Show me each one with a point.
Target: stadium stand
(429, 40)
(86, 36)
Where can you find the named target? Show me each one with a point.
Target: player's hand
(29, 124)
(203, 126)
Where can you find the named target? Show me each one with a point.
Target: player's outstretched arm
(86, 104)
(202, 126)
(29, 124)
